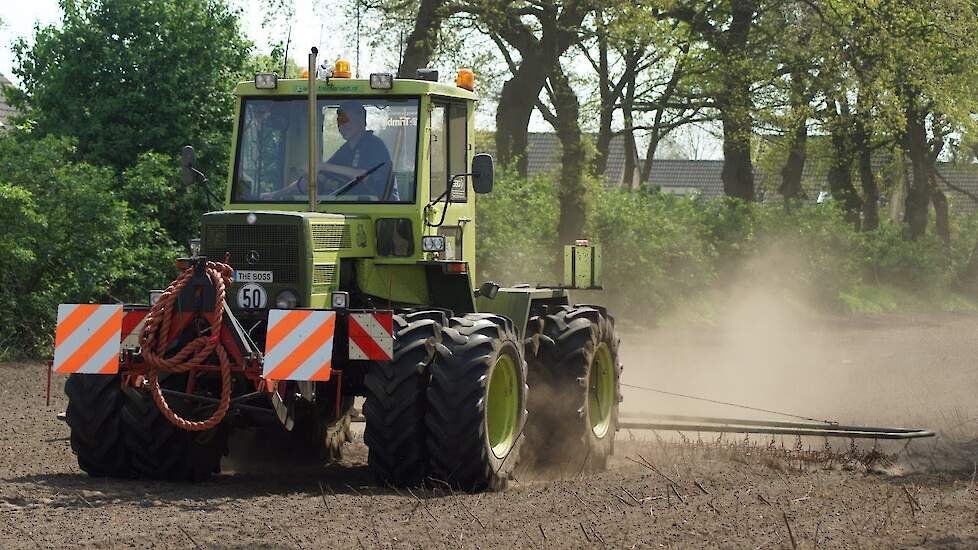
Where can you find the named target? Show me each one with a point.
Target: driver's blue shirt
(367, 153)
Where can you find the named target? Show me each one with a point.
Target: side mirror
(187, 172)
(488, 289)
(482, 173)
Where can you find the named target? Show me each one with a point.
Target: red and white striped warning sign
(372, 336)
(299, 344)
(132, 327)
(87, 339)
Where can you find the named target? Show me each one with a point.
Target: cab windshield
(367, 149)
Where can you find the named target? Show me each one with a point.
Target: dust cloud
(768, 345)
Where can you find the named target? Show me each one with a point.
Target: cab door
(449, 158)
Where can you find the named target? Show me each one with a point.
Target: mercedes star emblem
(253, 257)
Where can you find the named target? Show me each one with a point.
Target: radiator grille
(277, 248)
(330, 236)
(324, 275)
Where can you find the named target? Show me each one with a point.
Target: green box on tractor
(466, 363)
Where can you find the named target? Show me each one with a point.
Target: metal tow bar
(681, 423)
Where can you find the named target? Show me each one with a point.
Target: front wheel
(395, 406)
(160, 450)
(97, 436)
(477, 403)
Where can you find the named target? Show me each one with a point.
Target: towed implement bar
(681, 423)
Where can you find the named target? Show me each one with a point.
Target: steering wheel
(323, 176)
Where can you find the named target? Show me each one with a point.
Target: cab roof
(354, 86)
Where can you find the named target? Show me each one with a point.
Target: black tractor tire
(95, 404)
(395, 401)
(160, 450)
(559, 429)
(459, 449)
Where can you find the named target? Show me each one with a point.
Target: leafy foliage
(127, 77)
(662, 251)
(68, 238)
(511, 252)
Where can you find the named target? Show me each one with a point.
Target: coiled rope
(154, 342)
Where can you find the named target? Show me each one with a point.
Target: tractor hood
(297, 251)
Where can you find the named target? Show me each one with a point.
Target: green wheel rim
(601, 391)
(502, 405)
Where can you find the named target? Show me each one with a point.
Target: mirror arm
(199, 174)
(210, 192)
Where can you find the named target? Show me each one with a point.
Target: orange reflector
(456, 267)
(342, 69)
(465, 79)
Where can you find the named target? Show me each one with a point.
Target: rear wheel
(160, 450)
(94, 406)
(575, 376)
(395, 401)
(477, 403)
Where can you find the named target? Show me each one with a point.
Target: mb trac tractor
(343, 265)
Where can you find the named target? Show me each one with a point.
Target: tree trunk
(735, 105)
(840, 173)
(738, 170)
(918, 192)
(628, 177)
(646, 173)
(423, 40)
(867, 180)
(516, 103)
(572, 192)
(606, 110)
(941, 216)
(794, 165)
(656, 134)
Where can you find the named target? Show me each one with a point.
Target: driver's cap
(352, 110)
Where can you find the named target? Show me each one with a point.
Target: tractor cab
(387, 214)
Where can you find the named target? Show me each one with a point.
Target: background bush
(662, 251)
(69, 237)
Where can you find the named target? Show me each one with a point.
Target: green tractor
(349, 223)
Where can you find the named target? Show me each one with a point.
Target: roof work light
(381, 81)
(266, 81)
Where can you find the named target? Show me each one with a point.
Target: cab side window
(448, 150)
(438, 151)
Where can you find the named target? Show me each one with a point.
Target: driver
(363, 155)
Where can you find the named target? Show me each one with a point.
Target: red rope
(154, 341)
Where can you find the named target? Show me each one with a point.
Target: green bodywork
(336, 248)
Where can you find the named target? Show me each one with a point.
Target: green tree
(68, 237)
(128, 77)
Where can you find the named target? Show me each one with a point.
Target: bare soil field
(699, 492)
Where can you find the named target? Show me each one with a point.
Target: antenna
(400, 49)
(358, 40)
(285, 59)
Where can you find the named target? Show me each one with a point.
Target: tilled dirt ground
(695, 493)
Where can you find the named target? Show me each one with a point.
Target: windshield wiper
(353, 182)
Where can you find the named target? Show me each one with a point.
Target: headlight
(340, 300)
(194, 247)
(286, 299)
(266, 81)
(381, 81)
(433, 243)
